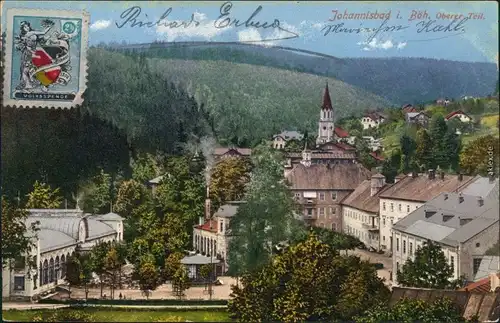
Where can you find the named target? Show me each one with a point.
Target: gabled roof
(422, 189)
(362, 200)
(412, 115)
(480, 286)
(482, 186)
(377, 157)
(232, 150)
(341, 133)
(289, 135)
(454, 113)
(335, 146)
(210, 226)
(327, 177)
(374, 116)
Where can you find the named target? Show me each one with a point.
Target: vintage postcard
(238, 157)
(46, 52)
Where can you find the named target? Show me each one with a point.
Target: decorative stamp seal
(45, 58)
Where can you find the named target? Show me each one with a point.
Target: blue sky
(473, 40)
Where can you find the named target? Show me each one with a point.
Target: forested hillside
(399, 80)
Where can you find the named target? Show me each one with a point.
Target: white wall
(390, 215)
(352, 224)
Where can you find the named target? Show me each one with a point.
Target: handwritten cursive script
(225, 21)
(453, 28)
(131, 17)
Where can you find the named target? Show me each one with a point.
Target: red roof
(210, 226)
(451, 114)
(344, 146)
(377, 157)
(232, 151)
(327, 102)
(341, 132)
(409, 108)
(481, 286)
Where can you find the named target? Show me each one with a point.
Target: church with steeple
(331, 141)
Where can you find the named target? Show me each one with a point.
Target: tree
(308, 282)
(98, 194)
(148, 275)
(453, 147)
(228, 180)
(180, 281)
(391, 166)
(294, 146)
(438, 130)
(131, 194)
(43, 197)
(480, 156)
(206, 272)
(408, 147)
(146, 167)
(98, 261)
(172, 263)
(415, 310)
(429, 269)
(113, 265)
(423, 152)
(16, 237)
(73, 272)
(266, 218)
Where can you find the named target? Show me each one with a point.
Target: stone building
(465, 227)
(60, 233)
(319, 188)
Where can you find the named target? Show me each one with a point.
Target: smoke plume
(207, 146)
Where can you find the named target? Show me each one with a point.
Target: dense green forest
(398, 80)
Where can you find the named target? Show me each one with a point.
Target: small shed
(193, 264)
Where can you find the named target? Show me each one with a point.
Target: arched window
(58, 268)
(51, 270)
(45, 272)
(63, 266)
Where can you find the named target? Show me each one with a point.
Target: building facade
(360, 212)
(319, 188)
(372, 120)
(280, 140)
(60, 233)
(464, 226)
(410, 193)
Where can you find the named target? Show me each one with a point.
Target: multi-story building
(280, 140)
(319, 188)
(465, 226)
(372, 120)
(211, 237)
(60, 233)
(360, 211)
(410, 193)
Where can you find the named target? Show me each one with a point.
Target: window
(392, 207)
(334, 226)
(478, 245)
(399, 207)
(20, 262)
(397, 244)
(404, 246)
(408, 208)
(411, 249)
(297, 196)
(310, 212)
(383, 238)
(322, 211)
(322, 196)
(383, 206)
(332, 210)
(397, 265)
(334, 196)
(19, 283)
(383, 221)
(452, 263)
(476, 263)
(221, 226)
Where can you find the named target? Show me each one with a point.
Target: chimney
(480, 201)
(208, 205)
(494, 281)
(377, 182)
(460, 177)
(432, 174)
(464, 221)
(460, 198)
(445, 196)
(441, 175)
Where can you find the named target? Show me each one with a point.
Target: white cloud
(205, 29)
(375, 44)
(100, 24)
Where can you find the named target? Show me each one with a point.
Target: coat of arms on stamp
(45, 58)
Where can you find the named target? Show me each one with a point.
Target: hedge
(187, 302)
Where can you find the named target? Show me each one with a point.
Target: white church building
(60, 232)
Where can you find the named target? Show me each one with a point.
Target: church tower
(325, 125)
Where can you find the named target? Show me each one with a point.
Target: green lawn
(129, 315)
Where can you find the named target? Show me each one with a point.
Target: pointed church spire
(327, 102)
